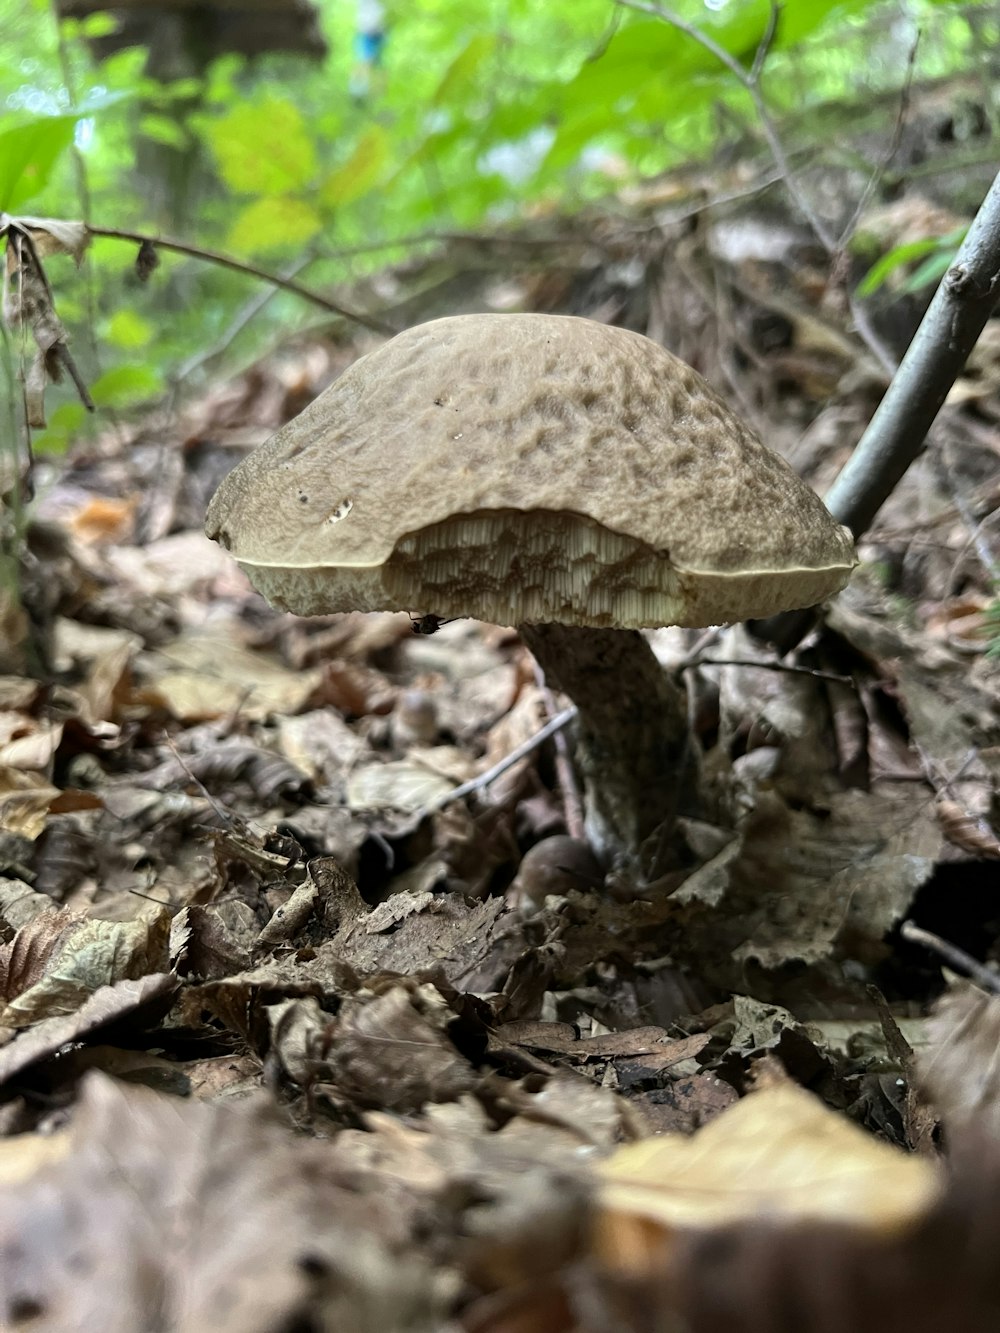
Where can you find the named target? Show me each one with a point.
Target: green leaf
(902, 254)
(460, 75)
(98, 25)
(64, 423)
(274, 224)
(938, 250)
(128, 330)
(161, 129)
(360, 172)
(263, 148)
(931, 271)
(28, 153)
(124, 386)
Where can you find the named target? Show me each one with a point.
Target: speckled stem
(632, 733)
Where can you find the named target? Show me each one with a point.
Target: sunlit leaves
(263, 147)
(125, 385)
(936, 252)
(128, 330)
(461, 74)
(28, 153)
(274, 225)
(360, 172)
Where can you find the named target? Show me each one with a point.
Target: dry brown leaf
(796, 885)
(28, 742)
(320, 743)
(25, 799)
(55, 236)
(107, 1005)
(778, 1153)
(67, 957)
(203, 675)
(973, 834)
(189, 1216)
(399, 784)
(103, 519)
(960, 1069)
(104, 655)
(391, 1051)
(23, 960)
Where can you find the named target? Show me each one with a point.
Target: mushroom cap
(527, 468)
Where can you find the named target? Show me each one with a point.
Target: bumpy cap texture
(527, 468)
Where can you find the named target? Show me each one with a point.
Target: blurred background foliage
(480, 116)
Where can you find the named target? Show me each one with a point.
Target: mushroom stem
(633, 743)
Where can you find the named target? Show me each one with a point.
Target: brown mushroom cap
(527, 468)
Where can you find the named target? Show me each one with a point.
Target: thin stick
(788, 667)
(953, 956)
(554, 724)
(750, 83)
(250, 270)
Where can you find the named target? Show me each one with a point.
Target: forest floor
(291, 1040)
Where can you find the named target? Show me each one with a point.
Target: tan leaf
(203, 675)
(180, 1214)
(88, 954)
(25, 798)
(54, 236)
(974, 835)
(778, 1153)
(397, 785)
(106, 1005)
(961, 1067)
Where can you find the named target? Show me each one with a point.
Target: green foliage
(262, 147)
(29, 150)
(481, 113)
(126, 385)
(935, 252)
(993, 627)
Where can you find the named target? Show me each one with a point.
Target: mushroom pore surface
(527, 468)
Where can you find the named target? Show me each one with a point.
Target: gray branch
(895, 436)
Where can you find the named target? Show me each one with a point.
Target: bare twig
(251, 270)
(749, 81)
(554, 724)
(788, 667)
(953, 956)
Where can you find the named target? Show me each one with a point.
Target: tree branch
(895, 436)
(251, 270)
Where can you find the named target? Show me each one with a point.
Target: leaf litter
(290, 1038)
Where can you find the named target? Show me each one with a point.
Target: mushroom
(549, 472)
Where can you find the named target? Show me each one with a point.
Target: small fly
(428, 624)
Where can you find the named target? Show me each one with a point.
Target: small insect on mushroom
(428, 624)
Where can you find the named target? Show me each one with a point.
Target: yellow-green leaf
(263, 148)
(461, 73)
(360, 172)
(127, 329)
(124, 385)
(274, 224)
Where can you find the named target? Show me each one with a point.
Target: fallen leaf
(107, 1005)
(188, 1215)
(778, 1153)
(203, 675)
(54, 963)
